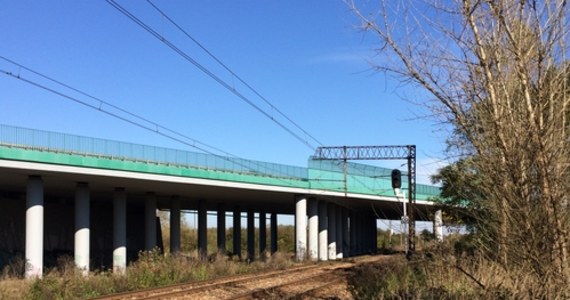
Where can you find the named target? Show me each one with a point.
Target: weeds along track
(294, 289)
(197, 286)
(282, 284)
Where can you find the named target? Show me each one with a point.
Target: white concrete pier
(262, 235)
(338, 231)
(273, 230)
(250, 235)
(221, 229)
(323, 232)
(237, 231)
(301, 227)
(313, 237)
(34, 227)
(120, 231)
(332, 238)
(82, 231)
(150, 222)
(202, 230)
(174, 225)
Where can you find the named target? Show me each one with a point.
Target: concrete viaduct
(97, 200)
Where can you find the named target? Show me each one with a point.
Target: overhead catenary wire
(175, 136)
(206, 71)
(232, 72)
(157, 127)
(98, 107)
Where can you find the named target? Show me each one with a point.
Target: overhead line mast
(407, 152)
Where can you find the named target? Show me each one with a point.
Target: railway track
(293, 283)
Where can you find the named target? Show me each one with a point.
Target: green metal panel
(56, 148)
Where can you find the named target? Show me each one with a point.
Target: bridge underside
(118, 216)
(62, 185)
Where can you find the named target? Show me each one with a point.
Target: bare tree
(498, 72)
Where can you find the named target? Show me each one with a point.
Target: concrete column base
(82, 230)
(175, 225)
(120, 231)
(313, 239)
(301, 228)
(323, 232)
(34, 227)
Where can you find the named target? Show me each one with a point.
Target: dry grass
(150, 270)
(443, 273)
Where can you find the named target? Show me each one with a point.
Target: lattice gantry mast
(407, 152)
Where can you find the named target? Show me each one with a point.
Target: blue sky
(307, 57)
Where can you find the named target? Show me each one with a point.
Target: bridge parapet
(58, 148)
(32, 139)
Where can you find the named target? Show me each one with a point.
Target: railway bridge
(97, 200)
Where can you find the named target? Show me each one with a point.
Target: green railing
(59, 142)
(360, 178)
(320, 174)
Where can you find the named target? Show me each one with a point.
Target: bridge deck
(320, 177)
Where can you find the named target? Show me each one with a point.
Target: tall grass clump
(152, 269)
(449, 270)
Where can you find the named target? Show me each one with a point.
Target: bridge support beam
(221, 234)
(250, 235)
(365, 240)
(273, 230)
(353, 235)
(374, 235)
(237, 232)
(34, 227)
(262, 235)
(312, 211)
(359, 236)
(81, 238)
(120, 231)
(345, 233)
(300, 227)
(371, 233)
(202, 230)
(332, 231)
(150, 222)
(438, 225)
(323, 231)
(175, 225)
(339, 237)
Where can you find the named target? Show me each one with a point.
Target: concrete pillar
(323, 232)
(332, 221)
(312, 212)
(365, 242)
(250, 235)
(352, 230)
(120, 231)
(438, 225)
(202, 230)
(150, 222)
(368, 231)
(359, 236)
(175, 225)
(262, 235)
(34, 227)
(81, 238)
(345, 233)
(339, 237)
(221, 236)
(273, 229)
(237, 232)
(374, 235)
(300, 227)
